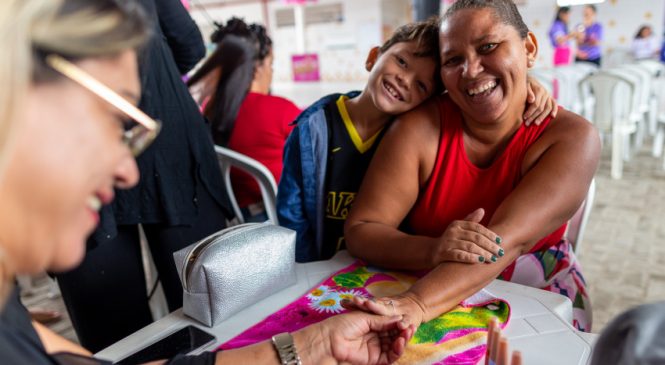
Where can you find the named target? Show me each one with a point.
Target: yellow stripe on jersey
(361, 146)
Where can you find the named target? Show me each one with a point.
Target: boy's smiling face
(399, 80)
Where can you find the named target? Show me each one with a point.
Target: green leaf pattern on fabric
(458, 319)
(354, 279)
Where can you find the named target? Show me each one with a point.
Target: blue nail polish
(481, 258)
(498, 240)
(501, 253)
(493, 258)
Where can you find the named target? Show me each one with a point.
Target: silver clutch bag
(234, 268)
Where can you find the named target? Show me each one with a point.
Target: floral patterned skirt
(555, 269)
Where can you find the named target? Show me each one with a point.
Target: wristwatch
(286, 349)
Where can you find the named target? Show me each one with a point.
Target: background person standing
(589, 38)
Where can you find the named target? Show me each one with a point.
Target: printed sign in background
(306, 67)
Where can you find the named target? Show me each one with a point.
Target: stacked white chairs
(570, 95)
(659, 138)
(613, 102)
(657, 72)
(640, 110)
(227, 159)
(656, 68)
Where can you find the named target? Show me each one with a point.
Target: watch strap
(286, 349)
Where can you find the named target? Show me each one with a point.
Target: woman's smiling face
(484, 65)
(68, 157)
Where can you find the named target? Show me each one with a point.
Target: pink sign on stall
(305, 67)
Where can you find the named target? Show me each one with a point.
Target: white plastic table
(539, 325)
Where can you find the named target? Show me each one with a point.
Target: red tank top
(457, 187)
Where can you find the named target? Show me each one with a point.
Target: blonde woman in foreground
(69, 131)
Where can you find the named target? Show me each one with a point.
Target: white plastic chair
(656, 71)
(646, 96)
(570, 95)
(659, 137)
(545, 77)
(577, 224)
(657, 68)
(227, 159)
(614, 97)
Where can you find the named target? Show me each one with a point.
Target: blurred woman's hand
(497, 347)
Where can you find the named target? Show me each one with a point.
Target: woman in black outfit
(179, 199)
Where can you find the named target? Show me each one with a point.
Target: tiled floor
(622, 255)
(623, 252)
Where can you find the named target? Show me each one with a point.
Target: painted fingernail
(493, 258)
(498, 240)
(501, 253)
(481, 258)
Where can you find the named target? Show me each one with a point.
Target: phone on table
(183, 341)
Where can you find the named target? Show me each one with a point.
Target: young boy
(328, 152)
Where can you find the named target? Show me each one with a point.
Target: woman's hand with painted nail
(467, 241)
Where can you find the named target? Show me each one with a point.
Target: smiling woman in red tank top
(481, 195)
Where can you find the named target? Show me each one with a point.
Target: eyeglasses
(137, 138)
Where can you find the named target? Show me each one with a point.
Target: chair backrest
(227, 159)
(577, 224)
(635, 81)
(613, 96)
(568, 78)
(657, 69)
(645, 89)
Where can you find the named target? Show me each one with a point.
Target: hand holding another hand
(363, 338)
(405, 305)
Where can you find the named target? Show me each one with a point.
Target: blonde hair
(74, 29)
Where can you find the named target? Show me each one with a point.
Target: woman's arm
(54, 343)
(356, 337)
(399, 169)
(557, 173)
(389, 190)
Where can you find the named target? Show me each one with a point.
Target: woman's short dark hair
(504, 10)
(592, 7)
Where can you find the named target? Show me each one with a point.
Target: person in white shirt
(645, 45)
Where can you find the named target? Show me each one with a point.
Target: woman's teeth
(482, 88)
(94, 203)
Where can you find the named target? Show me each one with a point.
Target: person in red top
(235, 90)
(470, 183)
